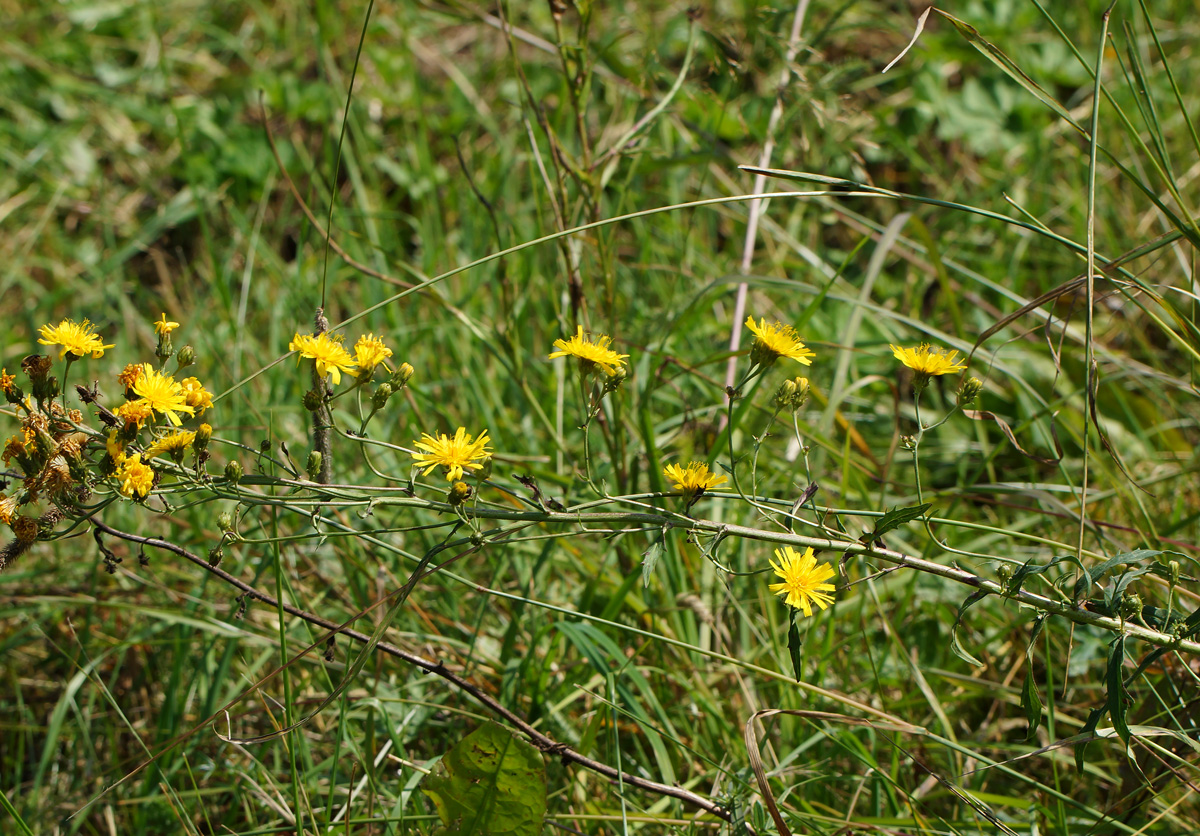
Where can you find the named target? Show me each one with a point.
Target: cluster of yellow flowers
(63, 459)
(332, 358)
(803, 580)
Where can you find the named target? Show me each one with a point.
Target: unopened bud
(225, 522)
(234, 472)
(1131, 606)
(165, 349)
(613, 382)
(313, 400)
(1173, 572)
(460, 492)
(313, 467)
(485, 472)
(203, 434)
(380, 397)
(402, 375)
(185, 357)
(214, 555)
(971, 387)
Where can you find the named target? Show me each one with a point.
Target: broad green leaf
(490, 784)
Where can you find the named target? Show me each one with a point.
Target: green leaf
(1115, 682)
(1093, 575)
(1089, 727)
(650, 560)
(491, 783)
(895, 518)
(1031, 700)
(955, 645)
(795, 647)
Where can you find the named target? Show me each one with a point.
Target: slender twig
(540, 740)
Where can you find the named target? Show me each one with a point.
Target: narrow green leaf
(1115, 683)
(491, 783)
(955, 645)
(650, 559)
(1088, 728)
(895, 518)
(795, 647)
(1031, 704)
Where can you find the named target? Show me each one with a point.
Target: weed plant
(377, 372)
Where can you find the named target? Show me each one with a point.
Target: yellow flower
(195, 394)
(369, 352)
(162, 326)
(454, 454)
(8, 509)
(694, 479)
(330, 356)
(173, 445)
(134, 412)
(136, 478)
(803, 580)
(77, 339)
(928, 361)
(14, 448)
(114, 448)
(7, 381)
(591, 354)
(774, 341)
(129, 375)
(162, 393)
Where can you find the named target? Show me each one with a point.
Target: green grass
(137, 178)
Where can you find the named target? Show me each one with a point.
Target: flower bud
(313, 400)
(203, 434)
(380, 398)
(185, 357)
(485, 472)
(1131, 606)
(313, 467)
(613, 381)
(1173, 571)
(234, 472)
(165, 349)
(460, 492)
(214, 555)
(971, 387)
(225, 522)
(402, 375)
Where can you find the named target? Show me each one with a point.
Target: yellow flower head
(114, 448)
(162, 326)
(692, 480)
(329, 354)
(774, 341)
(195, 395)
(14, 448)
(136, 478)
(928, 361)
(134, 412)
(77, 339)
(173, 445)
(7, 381)
(129, 375)
(8, 509)
(592, 355)
(803, 580)
(455, 454)
(370, 351)
(162, 393)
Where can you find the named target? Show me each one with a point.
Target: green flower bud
(313, 400)
(203, 434)
(186, 356)
(402, 375)
(486, 472)
(380, 398)
(613, 381)
(971, 387)
(313, 467)
(234, 472)
(1131, 606)
(214, 555)
(225, 522)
